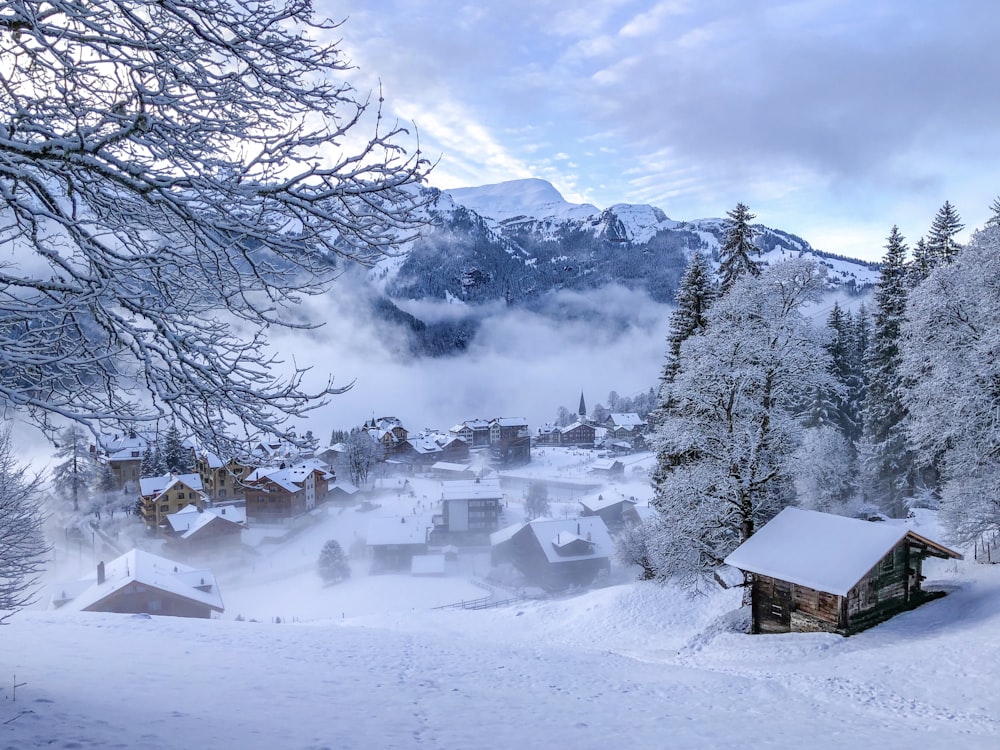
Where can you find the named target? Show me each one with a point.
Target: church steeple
(583, 408)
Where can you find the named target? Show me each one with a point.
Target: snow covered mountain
(521, 243)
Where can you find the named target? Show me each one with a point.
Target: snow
(369, 663)
(530, 198)
(819, 550)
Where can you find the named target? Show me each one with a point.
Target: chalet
(220, 480)
(616, 512)
(390, 433)
(629, 427)
(579, 434)
(548, 434)
(427, 448)
(394, 542)
(448, 470)
(820, 572)
(469, 508)
(555, 553)
(276, 494)
(341, 491)
(194, 530)
(161, 496)
(140, 582)
(475, 432)
(122, 453)
(608, 467)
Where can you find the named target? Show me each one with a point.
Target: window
(777, 610)
(164, 508)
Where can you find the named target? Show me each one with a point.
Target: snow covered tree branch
(173, 175)
(22, 544)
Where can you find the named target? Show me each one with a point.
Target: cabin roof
(822, 551)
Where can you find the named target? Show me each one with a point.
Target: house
(555, 553)
(628, 427)
(122, 452)
(341, 491)
(220, 480)
(394, 542)
(430, 447)
(283, 492)
(820, 572)
(214, 530)
(469, 508)
(616, 512)
(140, 582)
(388, 431)
(475, 432)
(163, 495)
(608, 467)
(448, 470)
(579, 434)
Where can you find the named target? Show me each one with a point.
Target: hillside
(369, 663)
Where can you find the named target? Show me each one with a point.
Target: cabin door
(781, 605)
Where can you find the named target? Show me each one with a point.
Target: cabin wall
(886, 589)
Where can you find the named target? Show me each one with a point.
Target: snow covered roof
(448, 466)
(153, 486)
(629, 419)
(503, 535)
(820, 550)
(189, 520)
(471, 489)
(153, 571)
(511, 421)
(591, 529)
(606, 464)
(410, 530)
(600, 502)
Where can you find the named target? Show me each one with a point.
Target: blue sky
(832, 120)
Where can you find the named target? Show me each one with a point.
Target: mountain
(521, 243)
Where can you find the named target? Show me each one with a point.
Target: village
(480, 502)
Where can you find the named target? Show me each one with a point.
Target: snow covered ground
(369, 664)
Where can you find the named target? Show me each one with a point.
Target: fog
(520, 363)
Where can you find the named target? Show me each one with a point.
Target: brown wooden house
(820, 572)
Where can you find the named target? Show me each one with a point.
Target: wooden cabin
(821, 572)
(555, 553)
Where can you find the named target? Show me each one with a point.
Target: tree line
(762, 405)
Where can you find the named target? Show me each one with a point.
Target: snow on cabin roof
(189, 519)
(153, 486)
(628, 419)
(471, 489)
(153, 571)
(546, 530)
(503, 535)
(600, 502)
(448, 466)
(384, 531)
(822, 551)
(511, 421)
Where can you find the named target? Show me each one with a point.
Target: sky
(833, 120)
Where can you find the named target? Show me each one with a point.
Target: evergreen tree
(923, 262)
(887, 463)
(694, 297)
(536, 503)
(994, 220)
(846, 371)
(941, 243)
(735, 255)
(333, 565)
(73, 477)
(729, 432)
(177, 457)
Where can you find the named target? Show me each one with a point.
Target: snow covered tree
(333, 564)
(823, 470)
(152, 464)
(173, 177)
(694, 297)
(730, 424)
(738, 249)
(951, 358)
(941, 243)
(177, 457)
(361, 454)
(73, 477)
(994, 220)
(923, 262)
(536, 503)
(887, 462)
(22, 543)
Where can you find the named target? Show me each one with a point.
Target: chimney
(100, 573)
(578, 528)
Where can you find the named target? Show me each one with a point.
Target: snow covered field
(369, 664)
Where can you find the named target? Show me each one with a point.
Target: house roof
(153, 486)
(591, 529)
(189, 520)
(822, 551)
(600, 502)
(154, 571)
(383, 531)
(449, 466)
(606, 464)
(471, 489)
(628, 419)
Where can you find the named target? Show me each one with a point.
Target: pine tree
(886, 461)
(924, 261)
(735, 255)
(177, 457)
(695, 295)
(846, 371)
(941, 243)
(333, 565)
(73, 477)
(994, 220)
